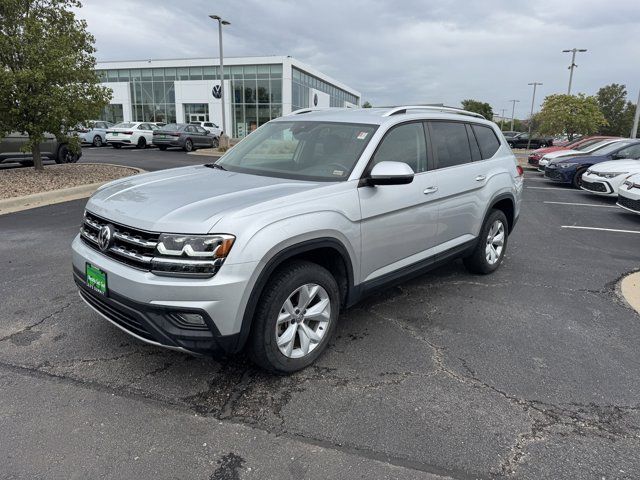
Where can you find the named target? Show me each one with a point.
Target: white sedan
(629, 194)
(139, 134)
(605, 178)
(544, 161)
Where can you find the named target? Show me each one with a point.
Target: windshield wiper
(215, 165)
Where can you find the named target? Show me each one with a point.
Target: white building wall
(287, 86)
(121, 95)
(199, 91)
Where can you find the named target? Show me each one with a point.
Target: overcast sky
(396, 51)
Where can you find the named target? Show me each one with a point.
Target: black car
(185, 136)
(522, 141)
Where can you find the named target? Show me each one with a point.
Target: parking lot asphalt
(532, 372)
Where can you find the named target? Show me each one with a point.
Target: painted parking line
(600, 229)
(584, 204)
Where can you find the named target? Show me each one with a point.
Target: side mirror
(391, 173)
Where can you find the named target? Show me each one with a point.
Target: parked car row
(609, 167)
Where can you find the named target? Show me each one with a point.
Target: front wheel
(142, 142)
(295, 318)
(215, 143)
(577, 178)
(97, 141)
(491, 246)
(65, 155)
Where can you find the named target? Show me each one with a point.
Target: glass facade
(255, 93)
(303, 82)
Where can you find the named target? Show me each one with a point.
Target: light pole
(573, 64)
(502, 118)
(513, 111)
(222, 22)
(636, 118)
(533, 100)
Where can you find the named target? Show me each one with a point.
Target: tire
(286, 283)
(162, 148)
(188, 145)
(576, 182)
(97, 141)
(65, 155)
(116, 145)
(478, 262)
(142, 142)
(215, 143)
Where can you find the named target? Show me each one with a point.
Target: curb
(630, 289)
(206, 153)
(26, 202)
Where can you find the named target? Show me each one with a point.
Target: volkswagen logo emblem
(105, 237)
(216, 91)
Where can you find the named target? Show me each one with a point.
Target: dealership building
(256, 89)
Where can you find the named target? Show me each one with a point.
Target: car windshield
(612, 147)
(173, 126)
(125, 125)
(301, 150)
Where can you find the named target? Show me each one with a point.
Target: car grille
(554, 174)
(595, 186)
(130, 246)
(117, 315)
(629, 203)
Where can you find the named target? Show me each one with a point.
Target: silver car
(311, 212)
(94, 132)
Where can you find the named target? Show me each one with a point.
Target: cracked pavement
(532, 372)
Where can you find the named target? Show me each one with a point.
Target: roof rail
(307, 110)
(405, 108)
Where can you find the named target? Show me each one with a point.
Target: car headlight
(566, 165)
(191, 255)
(611, 174)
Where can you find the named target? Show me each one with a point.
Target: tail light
(127, 133)
(520, 170)
(174, 134)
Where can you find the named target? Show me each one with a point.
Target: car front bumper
(560, 175)
(145, 305)
(629, 199)
(598, 186)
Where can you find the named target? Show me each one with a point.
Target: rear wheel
(97, 141)
(215, 143)
(491, 246)
(577, 178)
(142, 142)
(295, 318)
(188, 145)
(65, 155)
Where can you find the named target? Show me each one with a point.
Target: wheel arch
(504, 202)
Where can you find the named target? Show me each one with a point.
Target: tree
(366, 105)
(570, 115)
(476, 106)
(47, 77)
(613, 103)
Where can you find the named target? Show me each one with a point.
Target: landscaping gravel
(26, 181)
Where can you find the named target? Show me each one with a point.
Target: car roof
(382, 115)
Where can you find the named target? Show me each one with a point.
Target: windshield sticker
(362, 135)
(338, 173)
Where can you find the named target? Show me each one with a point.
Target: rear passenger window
(475, 150)
(487, 141)
(404, 143)
(450, 143)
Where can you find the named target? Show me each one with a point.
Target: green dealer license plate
(96, 279)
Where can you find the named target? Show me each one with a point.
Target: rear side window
(487, 140)
(473, 143)
(450, 144)
(208, 124)
(404, 143)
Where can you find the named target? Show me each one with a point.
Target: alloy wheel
(495, 242)
(303, 320)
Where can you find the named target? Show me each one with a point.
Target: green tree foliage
(47, 77)
(570, 115)
(613, 103)
(476, 106)
(366, 105)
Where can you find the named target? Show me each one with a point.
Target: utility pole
(634, 130)
(502, 118)
(533, 101)
(225, 134)
(513, 111)
(573, 64)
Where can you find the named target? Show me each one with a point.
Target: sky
(396, 51)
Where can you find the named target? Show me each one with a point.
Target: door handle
(480, 178)
(429, 190)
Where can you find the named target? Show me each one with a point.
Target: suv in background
(50, 148)
(522, 141)
(94, 132)
(300, 220)
(209, 126)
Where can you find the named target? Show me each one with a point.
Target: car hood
(187, 200)
(562, 153)
(631, 166)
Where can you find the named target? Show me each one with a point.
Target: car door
(462, 178)
(399, 222)
(146, 132)
(204, 140)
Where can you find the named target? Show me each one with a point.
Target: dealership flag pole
(224, 135)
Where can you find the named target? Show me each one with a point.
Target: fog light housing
(189, 320)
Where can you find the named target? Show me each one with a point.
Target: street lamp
(513, 111)
(222, 22)
(573, 64)
(533, 100)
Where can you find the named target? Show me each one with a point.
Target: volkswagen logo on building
(216, 91)
(315, 99)
(105, 237)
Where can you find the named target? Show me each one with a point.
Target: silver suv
(262, 249)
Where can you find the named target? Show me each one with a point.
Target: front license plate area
(96, 279)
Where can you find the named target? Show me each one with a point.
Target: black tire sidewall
(142, 142)
(477, 261)
(263, 345)
(97, 141)
(188, 145)
(576, 181)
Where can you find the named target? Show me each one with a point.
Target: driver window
(404, 143)
(632, 152)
